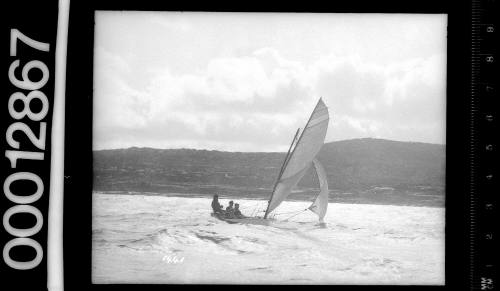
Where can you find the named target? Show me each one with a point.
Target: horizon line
(229, 151)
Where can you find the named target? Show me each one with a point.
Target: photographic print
(269, 148)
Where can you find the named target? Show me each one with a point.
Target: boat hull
(245, 220)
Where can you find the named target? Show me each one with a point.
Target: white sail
(320, 204)
(306, 148)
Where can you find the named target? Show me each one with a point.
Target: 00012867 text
(22, 235)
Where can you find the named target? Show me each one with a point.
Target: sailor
(217, 208)
(237, 212)
(230, 210)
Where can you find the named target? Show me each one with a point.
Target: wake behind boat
(300, 157)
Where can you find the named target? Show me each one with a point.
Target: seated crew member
(230, 210)
(237, 212)
(216, 206)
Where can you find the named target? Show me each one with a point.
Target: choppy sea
(159, 239)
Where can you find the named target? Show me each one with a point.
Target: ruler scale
(482, 147)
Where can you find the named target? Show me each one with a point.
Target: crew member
(237, 212)
(216, 206)
(230, 210)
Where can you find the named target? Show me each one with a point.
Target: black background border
(78, 136)
(27, 19)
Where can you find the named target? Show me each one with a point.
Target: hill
(359, 171)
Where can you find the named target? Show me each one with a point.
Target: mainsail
(299, 160)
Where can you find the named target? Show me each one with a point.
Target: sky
(247, 81)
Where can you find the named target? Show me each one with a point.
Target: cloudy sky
(246, 82)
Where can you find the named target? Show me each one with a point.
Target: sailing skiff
(300, 157)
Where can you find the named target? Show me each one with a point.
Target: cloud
(394, 101)
(254, 102)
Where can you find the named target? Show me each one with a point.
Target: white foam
(361, 244)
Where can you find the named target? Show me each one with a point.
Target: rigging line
(296, 211)
(246, 207)
(256, 209)
(295, 214)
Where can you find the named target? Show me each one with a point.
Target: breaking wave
(363, 244)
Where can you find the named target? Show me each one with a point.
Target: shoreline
(222, 196)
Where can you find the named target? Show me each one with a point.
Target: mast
(281, 171)
(286, 159)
